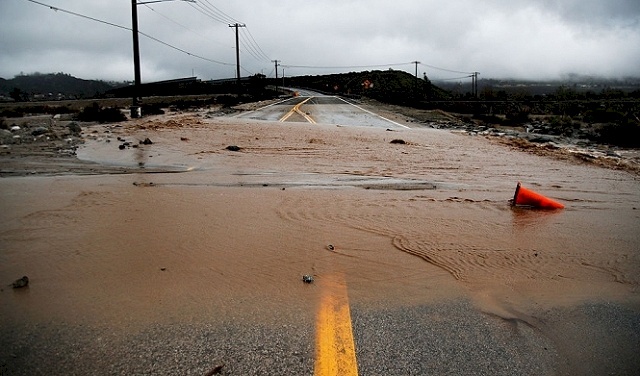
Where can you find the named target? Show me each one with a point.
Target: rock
(15, 128)
(540, 139)
(215, 370)
(307, 278)
(398, 141)
(330, 247)
(233, 148)
(39, 130)
(74, 128)
(20, 283)
(147, 141)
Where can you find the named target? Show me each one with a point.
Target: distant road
(311, 107)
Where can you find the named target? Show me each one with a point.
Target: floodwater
(229, 234)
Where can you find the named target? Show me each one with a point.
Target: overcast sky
(533, 39)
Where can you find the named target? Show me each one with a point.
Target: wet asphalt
(451, 338)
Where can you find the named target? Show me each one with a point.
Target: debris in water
(20, 283)
(215, 370)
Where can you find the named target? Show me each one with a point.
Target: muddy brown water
(230, 234)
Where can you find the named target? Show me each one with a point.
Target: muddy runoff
(199, 232)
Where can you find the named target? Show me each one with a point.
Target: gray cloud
(518, 38)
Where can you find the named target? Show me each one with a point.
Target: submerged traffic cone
(527, 197)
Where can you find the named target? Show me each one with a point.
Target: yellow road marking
(335, 347)
(296, 109)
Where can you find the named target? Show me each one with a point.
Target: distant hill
(393, 86)
(54, 86)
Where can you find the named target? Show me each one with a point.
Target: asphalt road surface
(318, 108)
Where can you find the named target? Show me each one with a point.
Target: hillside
(392, 86)
(52, 86)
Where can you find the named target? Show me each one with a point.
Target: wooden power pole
(236, 26)
(276, 62)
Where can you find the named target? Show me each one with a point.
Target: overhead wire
(217, 10)
(250, 48)
(198, 7)
(212, 12)
(452, 79)
(344, 66)
(184, 27)
(79, 15)
(444, 69)
(129, 29)
(256, 45)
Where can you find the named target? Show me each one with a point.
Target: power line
(261, 52)
(198, 7)
(252, 47)
(183, 51)
(218, 11)
(345, 67)
(249, 47)
(129, 29)
(184, 27)
(452, 79)
(212, 12)
(444, 69)
(79, 15)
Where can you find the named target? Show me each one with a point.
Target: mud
(193, 232)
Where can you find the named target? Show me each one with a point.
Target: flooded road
(317, 108)
(207, 257)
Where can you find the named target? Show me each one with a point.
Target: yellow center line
(296, 109)
(335, 347)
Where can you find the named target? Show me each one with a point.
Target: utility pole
(237, 25)
(135, 106)
(474, 84)
(416, 83)
(276, 61)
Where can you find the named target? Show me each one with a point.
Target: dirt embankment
(530, 137)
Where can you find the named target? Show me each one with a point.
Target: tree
(19, 95)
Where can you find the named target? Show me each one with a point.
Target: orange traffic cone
(527, 197)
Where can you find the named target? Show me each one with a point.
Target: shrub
(227, 100)
(625, 134)
(152, 109)
(101, 115)
(517, 117)
(564, 125)
(603, 116)
(488, 119)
